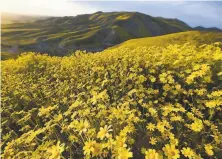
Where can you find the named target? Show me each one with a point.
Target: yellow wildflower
(171, 152)
(97, 149)
(56, 150)
(152, 111)
(196, 156)
(174, 141)
(178, 87)
(124, 153)
(208, 149)
(82, 126)
(120, 142)
(152, 79)
(188, 152)
(46, 111)
(151, 154)
(151, 127)
(176, 118)
(104, 132)
(196, 126)
(89, 147)
(153, 140)
(160, 127)
(213, 103)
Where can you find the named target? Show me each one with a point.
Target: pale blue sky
(194, 13)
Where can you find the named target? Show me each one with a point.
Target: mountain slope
(200, 28)
(193, 37)
(91, 32)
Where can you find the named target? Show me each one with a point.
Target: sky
(194, 13)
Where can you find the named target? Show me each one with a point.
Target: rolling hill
(91, 32)
(193, 37)
(200, 28)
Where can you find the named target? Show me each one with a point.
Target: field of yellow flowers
(148, 102)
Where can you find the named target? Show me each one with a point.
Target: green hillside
(91, 32)
(193, 37)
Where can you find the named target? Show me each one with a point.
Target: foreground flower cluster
(150, 102)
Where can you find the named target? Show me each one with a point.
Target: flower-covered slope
(147, 102)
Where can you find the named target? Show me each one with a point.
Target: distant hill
(200, 28)
(193, 37)
(9, 18)
(92, 32)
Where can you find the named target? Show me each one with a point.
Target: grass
(194, 37)
(8, 55)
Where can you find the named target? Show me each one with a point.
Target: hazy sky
(204, 13)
